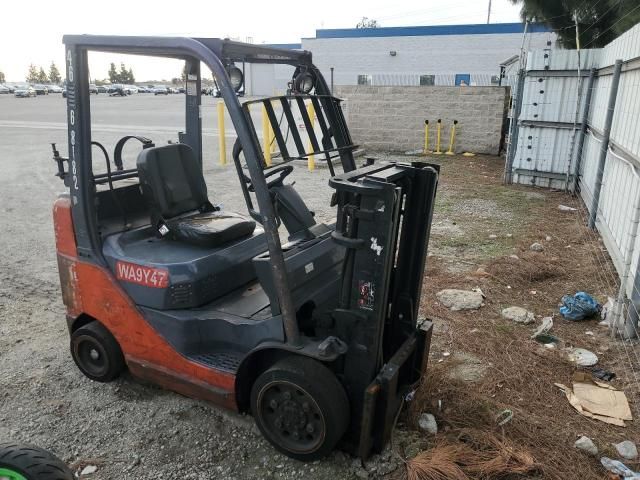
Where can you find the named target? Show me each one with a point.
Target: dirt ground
(480, 364)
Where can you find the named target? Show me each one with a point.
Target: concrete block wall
(392, 118)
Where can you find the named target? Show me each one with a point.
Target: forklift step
(227, 361)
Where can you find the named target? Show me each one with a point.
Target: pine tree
(42, 76)
(131, 77)
(599, 22)
(54, 74)
(113, 73)
(32, 74)
(2, 79)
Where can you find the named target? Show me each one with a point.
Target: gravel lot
(127, 429)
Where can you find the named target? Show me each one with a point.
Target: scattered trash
(586, 445)
(413, 152)
(533, 292)
(493, 236)
(547, 339)
(460, 299)
(597, 400)
(514, 256)
(504, 417)
(626, 449)
(536, 247)
(545, 327)
(606, 309)
(589, 332)
(446, 354)
(89, 469)
(564, 208)
(509, 235)
(619, 468)
(582, 357)
(602, 374)
(468, 154)
(518, 315)
(427, 423)
(578, 307)
(548, 238)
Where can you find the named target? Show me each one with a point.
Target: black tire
(300, 407)
(96, 352)
(32, 463)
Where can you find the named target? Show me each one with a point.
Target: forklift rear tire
(24, 462)
(96, 352)
(300, 407)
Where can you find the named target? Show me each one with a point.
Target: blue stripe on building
(477, 29)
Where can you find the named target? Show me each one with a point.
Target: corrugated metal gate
(593, 150)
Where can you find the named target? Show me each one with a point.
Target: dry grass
(520, 373)
(469, 454)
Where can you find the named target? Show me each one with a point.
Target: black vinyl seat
(176, 193)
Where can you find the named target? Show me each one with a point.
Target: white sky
(31, 32)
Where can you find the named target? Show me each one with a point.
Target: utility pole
(489, 13)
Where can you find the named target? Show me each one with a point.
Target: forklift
(318, 336)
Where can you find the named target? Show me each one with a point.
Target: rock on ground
(460, 299)
(427, 422)
(627, 450)
(586, 445)
(536, 247)
(518, 315)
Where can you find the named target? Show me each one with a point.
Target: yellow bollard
(452, 138)
(266, 136)
(222, 143)
(311, 162)
(438, 132)
(426, 137)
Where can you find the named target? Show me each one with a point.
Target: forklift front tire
(300, 407)
(96, 352)
(24, 462)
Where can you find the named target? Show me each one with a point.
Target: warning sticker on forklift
(366, 292)
(147, 276)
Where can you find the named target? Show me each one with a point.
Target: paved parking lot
(128, 430)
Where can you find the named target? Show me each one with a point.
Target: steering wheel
(282, 170)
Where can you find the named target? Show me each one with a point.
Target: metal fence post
(583, 129)
(513, 127)
(624, 330)
(604, 146)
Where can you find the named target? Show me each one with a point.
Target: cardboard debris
(598, 400)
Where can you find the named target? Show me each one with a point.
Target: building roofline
(284, 46)
(426, 30)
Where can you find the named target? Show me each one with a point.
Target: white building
(423, 55)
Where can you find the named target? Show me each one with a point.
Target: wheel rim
(8, 474)
(91, 356)
(291, 417)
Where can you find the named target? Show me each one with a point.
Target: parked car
(130, 89)
(11, 87)
(160, 91)
(25, 91)
(117, 91)
(102, 89)
(181, 90)
(4, 90)
(93, 88)
(41, 89)
(54, 88)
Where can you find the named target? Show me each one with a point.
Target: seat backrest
(171, 180)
